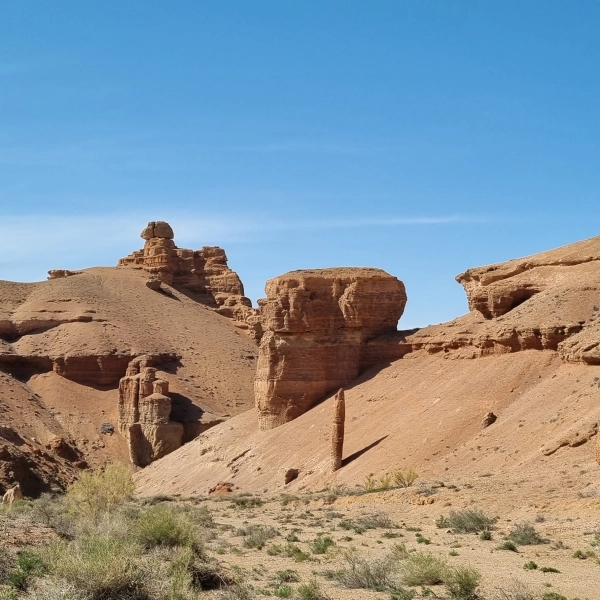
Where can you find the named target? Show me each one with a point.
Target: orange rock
(316, 327)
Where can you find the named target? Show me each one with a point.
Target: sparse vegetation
(469, 520)
(525, 534)
(256, 536)
(423, 568)
(462, 583)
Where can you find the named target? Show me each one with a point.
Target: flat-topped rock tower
(316, 325)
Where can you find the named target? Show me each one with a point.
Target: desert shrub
(553, 596)
(321, 544)
(485, 535)
(311, 591)
(369, 574)
(256, 536)
(283, 591)
(286, 576)
(369, 521)
(423, 568)
(385, 482)
(525, 534)
(29, 565)
(246, 502)
(370, 483)
(469, 520)
(293, 551)
(163, 526)
(462, 583)
(549, 570)
(95, 493)
(530, 566)
(516, 590)
(405, 478)
(101, 567)
(508, 545)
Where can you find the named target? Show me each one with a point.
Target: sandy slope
(90, 325)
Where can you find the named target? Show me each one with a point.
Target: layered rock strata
(317, 324)
(204, 272)
(144, 414)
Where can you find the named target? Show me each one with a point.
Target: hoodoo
(316, 327)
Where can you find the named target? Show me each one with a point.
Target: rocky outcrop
(494, 290)
(203, 272)
(144, 414)
(317, 325)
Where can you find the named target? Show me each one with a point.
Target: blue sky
(422, 137)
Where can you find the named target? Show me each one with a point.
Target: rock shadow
(359, 453)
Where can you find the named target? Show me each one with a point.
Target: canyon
(162, 362)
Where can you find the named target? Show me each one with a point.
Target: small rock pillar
(337, 433)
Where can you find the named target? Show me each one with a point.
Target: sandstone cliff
(316, 327)
(203, 272)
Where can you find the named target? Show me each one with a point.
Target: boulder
(317, 324)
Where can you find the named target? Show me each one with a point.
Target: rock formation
(494, 290)
(317, 324)
(337, 433)
(144, 411)
(203, 272)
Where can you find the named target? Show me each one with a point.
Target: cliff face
(316, 325)
(203, 272)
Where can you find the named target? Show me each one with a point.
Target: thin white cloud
(30, 245)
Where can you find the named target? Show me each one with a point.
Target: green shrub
(311, 591)
(321, 544)
(293, 551)
(508, 545)
(423, 568)
(96, 493)
(462, 583)
(525, 534)
(163, 526)
(553, 596)
(485, 535)
(530, 566)
(469, 520)
(284, 591)
(549, 570)
(28, 565)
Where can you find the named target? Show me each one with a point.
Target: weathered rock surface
(317, 324)
(144, 414)
(203, 272)
(494, 290)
